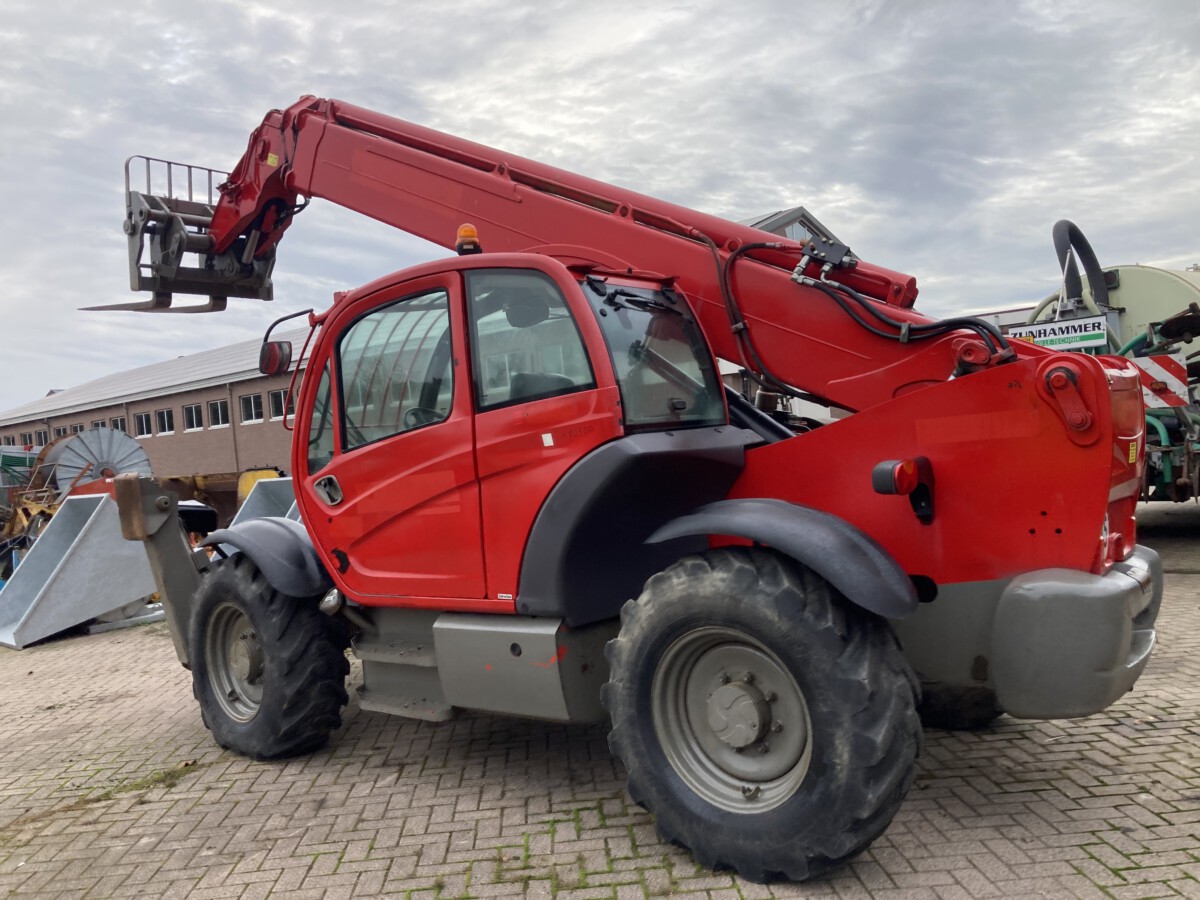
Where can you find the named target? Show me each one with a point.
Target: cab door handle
(328, 490)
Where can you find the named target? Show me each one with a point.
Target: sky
(940, 139)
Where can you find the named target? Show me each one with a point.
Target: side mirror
(275, 357)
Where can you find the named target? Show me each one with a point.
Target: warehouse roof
(236, 362)
(796, 224)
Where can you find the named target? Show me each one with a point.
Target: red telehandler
(525, 490)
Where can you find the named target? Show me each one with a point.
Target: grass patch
(161, 778)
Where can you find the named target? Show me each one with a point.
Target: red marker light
(911, 477)
(905, 477)
(896, 476)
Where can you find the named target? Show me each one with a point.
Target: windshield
(660, 358)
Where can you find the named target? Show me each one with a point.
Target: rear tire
(736, 650)
(269, 671)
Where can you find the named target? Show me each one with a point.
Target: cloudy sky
(942, 139)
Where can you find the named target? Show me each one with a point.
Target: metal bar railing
(166, 168)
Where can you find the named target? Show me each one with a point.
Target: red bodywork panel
(1010, 495)
(1029, 457)
(517, 468)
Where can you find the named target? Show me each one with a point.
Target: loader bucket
(79, 569)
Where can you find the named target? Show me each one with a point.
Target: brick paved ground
(110, 786)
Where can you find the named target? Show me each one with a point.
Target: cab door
(545, 397)
(390, 490)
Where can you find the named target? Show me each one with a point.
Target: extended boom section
(428, 183)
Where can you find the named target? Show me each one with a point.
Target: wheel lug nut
(771, 696)
(764, 748)
(750, 793)
(777, 727)
(748, 678)
(725, 679)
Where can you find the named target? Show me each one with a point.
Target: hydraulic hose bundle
(850, 301)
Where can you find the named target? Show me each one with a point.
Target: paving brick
(1099, 807)
(1141, 891)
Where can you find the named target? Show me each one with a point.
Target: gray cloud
(941, 139)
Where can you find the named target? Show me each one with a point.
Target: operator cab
(444, 405)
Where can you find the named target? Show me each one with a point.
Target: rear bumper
(1065, 643)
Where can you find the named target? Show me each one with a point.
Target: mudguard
(283, 552)
(837, 551)
(587, 554)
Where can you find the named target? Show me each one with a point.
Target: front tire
(768, 724)
(268, 670)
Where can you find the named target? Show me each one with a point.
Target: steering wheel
(420, 415)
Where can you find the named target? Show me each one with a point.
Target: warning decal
(1164, 381)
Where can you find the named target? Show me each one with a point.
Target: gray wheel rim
(731, 720)
(234, 657)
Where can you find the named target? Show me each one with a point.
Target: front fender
(833, 548)
(283, 552)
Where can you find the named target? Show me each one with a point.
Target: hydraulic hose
(849, 301)
(1134, 344)
(737, 322)
(905, 332)
(1066, 236)
(1164, 442)
(1179, 413)
(1037, 310)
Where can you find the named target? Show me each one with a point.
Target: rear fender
(282, 551)
(837, 551)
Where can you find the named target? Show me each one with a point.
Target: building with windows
(202, 414)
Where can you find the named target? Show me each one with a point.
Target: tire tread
(871, 680)
(307, 660)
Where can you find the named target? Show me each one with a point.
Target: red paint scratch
(555, 659)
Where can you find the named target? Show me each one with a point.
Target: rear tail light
(1119, 535)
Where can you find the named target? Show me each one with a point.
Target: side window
(662, 364)
(526, 343)
(320, 429)
(395, 367)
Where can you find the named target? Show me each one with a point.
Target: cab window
(662, 363)
(526, 343)
(395, 368)
(320, 428)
